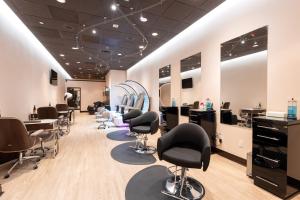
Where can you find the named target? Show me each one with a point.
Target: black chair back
(47, 113)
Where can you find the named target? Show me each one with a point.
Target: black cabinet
(169, 118)
(276, 161)
(207, 120)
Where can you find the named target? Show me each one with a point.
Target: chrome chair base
(131, 134)
(20, 161)
(183, 187)
(141, 146)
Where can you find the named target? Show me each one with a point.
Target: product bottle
(173, 102)
(34, 109)
(292, 109)
(208, 104)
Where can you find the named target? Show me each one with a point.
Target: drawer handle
(265, 180)
(270, 138)
(276, 161)
(270, 128)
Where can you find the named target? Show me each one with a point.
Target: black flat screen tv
(53, 77)
(187, 83)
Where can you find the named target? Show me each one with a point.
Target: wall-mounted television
(53, 77)
(187, 83)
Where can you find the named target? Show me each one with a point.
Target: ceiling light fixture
(42, 23)
(115, 26)
(141, 47)
(75, 48)
(154, 34)
(113, 7)
(62, 55)
(255, 44)
(119, 54)
(121, 66)
(67, 63)
(94, 31)
(78, 62)
(90, 58)
(143, 19)
(61, 1)
(243, 41)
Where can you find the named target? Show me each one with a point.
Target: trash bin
(249, 164)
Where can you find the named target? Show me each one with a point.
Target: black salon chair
(131, 115)
(144, 125)
(186, 146)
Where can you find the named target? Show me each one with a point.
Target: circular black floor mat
(120, 135)
(148, 184)
(124, 154)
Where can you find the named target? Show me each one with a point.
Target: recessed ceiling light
(154, 34)
(131, 8)
(94, 31)
(141, 47)
(79, 68)
(78, 62)
(121, 66)
(115, 25)
(90, 58)
(243, 41)
(67, 63)
(119, 54)
(62, 55)
(75, 48)
(230, 54)
(255, 44)
(113, 7)
(143, 19)
(41, 23)
(61, 1)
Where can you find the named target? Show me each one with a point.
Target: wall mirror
(190, 73)
(244, 78)
(75, 101)
(165, 86)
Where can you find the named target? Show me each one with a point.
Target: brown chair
(48, 112)
(14, 138)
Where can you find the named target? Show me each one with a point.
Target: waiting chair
(49, 112)
(143, 125)
(187, 146)
(14, 138)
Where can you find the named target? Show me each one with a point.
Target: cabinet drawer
(269, 137)
(278, 189)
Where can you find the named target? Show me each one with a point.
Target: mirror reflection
(244, 78)
(190, 73)
(165, 86)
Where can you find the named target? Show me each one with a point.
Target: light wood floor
(84, 170)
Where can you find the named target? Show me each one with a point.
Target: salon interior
(149, 99)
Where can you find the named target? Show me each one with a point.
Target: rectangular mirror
(244, 78)
(190, 73)
(165, 86)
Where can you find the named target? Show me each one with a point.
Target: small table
(45, 124)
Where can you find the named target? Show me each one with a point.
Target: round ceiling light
(113, 7)
(62, 55)
(94, 31)
(42, 23)
(143, 19)
(141, 47)
(154, 34)
(61, 1)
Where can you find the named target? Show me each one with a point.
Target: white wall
(229, 20)
(244, 81)
(115, 77)
(25, 69)
(91, 91)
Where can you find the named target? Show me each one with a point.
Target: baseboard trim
(231, 157)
